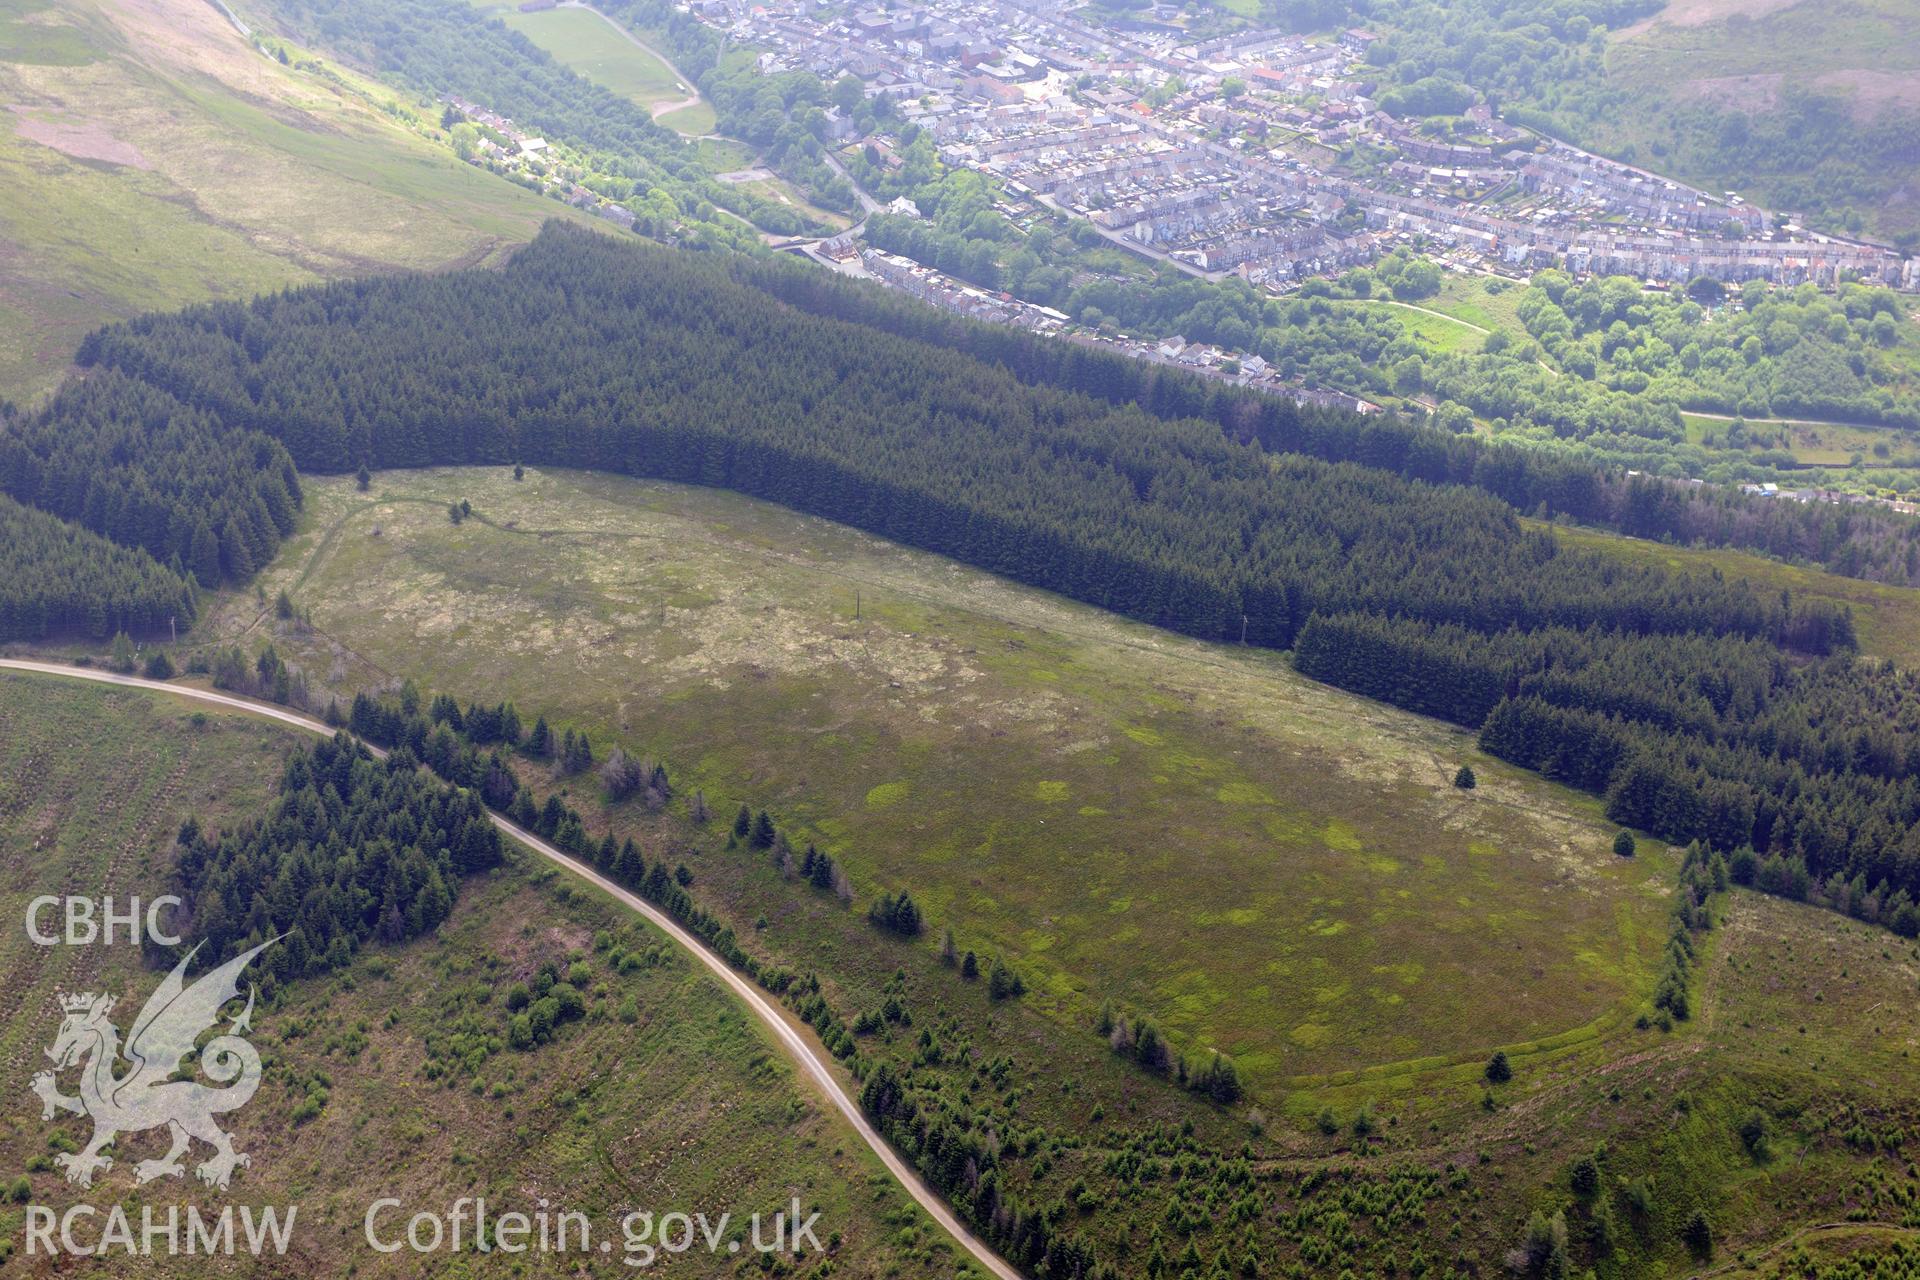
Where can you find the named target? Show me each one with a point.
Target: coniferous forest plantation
(673, 623)
(1390, 559)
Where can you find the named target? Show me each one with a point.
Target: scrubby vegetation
(1900, 1261)
(964, 1114)
(400, 1063)
(1773, 353)
(1065, 1190)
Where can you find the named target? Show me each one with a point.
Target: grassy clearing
(1886, 451)
(593, 47)
(1440, 334)
(696, 121)
(1265, 865)
(1812, 1023)
(211, 170)
(1887, 617)
(666, 1097)
(1842, 991)
(780, 191)
(1836, 445)
(1805, 1020)
(1486, 302)
(723, 155)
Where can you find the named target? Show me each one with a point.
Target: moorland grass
(1787, 1001)
(1665, 1104)
(1266, 866)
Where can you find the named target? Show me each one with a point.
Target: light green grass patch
(887, 794)
(1340, 837)
(594, 48)
(1242, 792)
(1440, 334)
(695, 121)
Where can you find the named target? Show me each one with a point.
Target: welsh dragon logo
(147, 1096)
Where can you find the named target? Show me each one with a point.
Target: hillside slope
(392, 1077)
(721, 633)
(151, 157)
(1807, 106)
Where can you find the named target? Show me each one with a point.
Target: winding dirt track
(811, 1057)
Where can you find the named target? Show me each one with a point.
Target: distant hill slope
(150, 157)
(1805, 106)
(1809, 106)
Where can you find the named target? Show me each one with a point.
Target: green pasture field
(596, 49)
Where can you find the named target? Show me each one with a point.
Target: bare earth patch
(1755, 93)
(81, 140)
(1874, 91)
(1698, 13)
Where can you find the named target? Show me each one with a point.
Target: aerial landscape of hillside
(960, 639)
